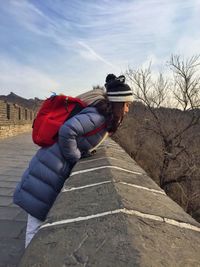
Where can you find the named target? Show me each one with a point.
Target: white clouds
(150, 59)
(188, 43)
(92, 38)
(89, 53)
(188, 46)
(24, 80)
(128, 32)
(120, 29)
(35, 21)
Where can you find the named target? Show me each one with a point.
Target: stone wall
(14, 119)
(110, 213)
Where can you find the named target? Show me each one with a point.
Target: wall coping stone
(110, 213)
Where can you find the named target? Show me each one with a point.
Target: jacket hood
(93, 96)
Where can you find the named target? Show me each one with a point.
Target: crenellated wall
(14, 119)
(111, 214)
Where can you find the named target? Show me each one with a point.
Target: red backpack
(52, 114)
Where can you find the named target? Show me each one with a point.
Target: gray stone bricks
(14, 119)
(108, 216)
(112, 214)
(15, 152)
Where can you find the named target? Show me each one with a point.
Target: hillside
(170, 158)
(27, 103)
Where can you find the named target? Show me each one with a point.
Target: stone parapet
(12, 130)
(110, 213)
(14, 119)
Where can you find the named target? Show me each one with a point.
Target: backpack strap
(93, 150)
(95, 130)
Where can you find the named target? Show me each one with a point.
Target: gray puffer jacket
(50, 167)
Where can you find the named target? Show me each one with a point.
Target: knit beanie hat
(117, 90)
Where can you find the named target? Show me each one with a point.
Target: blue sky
(67, 46)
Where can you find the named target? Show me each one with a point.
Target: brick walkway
(15, 153)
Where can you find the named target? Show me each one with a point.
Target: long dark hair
(112, 111)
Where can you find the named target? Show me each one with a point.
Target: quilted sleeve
(76, 126)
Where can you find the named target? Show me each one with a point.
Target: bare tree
(176, 163)
(186, 81)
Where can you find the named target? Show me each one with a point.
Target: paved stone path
(15, 153)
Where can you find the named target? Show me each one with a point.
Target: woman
(50, 167)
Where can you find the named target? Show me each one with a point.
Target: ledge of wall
(12, 130)
(110, 213)
(14, 119)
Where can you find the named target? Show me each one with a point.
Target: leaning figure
(49, 168)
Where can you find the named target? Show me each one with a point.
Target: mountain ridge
(31, 103)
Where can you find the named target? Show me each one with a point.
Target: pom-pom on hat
(117, 90)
